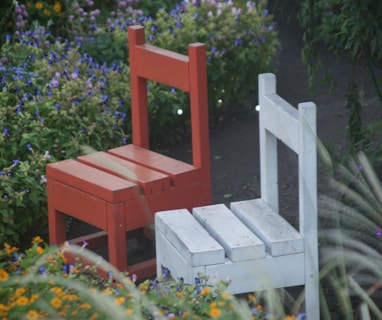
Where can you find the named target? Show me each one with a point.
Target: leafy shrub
(58, 94)
(52, 101)
(241, 42)
(41, 284)
(348, 29)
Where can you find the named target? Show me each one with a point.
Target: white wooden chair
(251, 243)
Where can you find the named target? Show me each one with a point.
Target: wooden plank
(261, 274)
(91, 180)
(149, 180)
(169, 257)
(278, 235)
(163, 66)
(181, 173)
(239, 242)
(194, 243)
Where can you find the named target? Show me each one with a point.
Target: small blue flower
(42, 270)
(165, 271)
(29, 147)
(15, 162)
(6, 132)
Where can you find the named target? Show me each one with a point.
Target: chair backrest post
(268, 146)
(138, 91)
(199, 114)
(296, 128)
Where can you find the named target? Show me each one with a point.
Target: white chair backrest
(296, 128)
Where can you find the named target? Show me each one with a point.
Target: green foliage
(151, 7)
(350, 241)
(60, 93)
(6, 12)
(40, 283)
(241, 43)
(352, 29)
(52, 101)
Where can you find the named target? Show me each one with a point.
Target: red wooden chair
(119, 191)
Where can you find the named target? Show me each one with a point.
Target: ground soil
(234, 142)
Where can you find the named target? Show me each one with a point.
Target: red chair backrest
(188, 73)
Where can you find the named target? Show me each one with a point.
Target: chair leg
(117, 236)
(56, 219)
(57, 226)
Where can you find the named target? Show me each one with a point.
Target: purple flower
(15, 162)
(6, 132)
(29, 147)
(43, 179)
(165, 271)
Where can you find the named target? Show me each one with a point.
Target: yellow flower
(107, 291)
(33, 298)
(84, 306)
(226, 296)
(4, 275)
(39, 5)
(57, 290)
(293, 317)
(22, 301)
(9, 249)
(70, 297)
(180, 295)
(32, 314)
(57, 7)
(205, 291)
(119, 301)
(215, 312)
(39, 250)
(20, 291)
(47, 12)
(56, 302)
(252, 298)
(129, 311)
(37, 239)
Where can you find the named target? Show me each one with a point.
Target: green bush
(58, 94)
(241, 42)
(52, 101)
(348, 29)
(40, 284)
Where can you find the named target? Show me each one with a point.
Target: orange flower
(205, 291)
(56, 302)
(32, 314)
(4, 275)
(22, 301)
(215, 312)
(39, 250)
(57, 7)
(9, 249)
(39, 5)
(47, 12)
